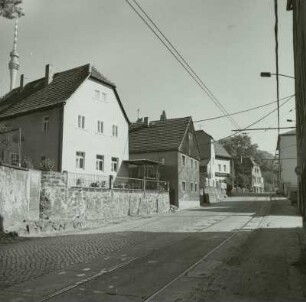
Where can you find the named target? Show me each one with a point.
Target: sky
(227, 42)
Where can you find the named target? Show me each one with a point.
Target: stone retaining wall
(19, 197)
(39, 201)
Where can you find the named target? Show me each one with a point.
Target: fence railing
(108, 182)
(87, 180)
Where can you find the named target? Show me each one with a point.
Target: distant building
(215, 164)
(286, 146)
(73, 118)
(173, 143)
(222, 165)
(251, 169)
(299, 39)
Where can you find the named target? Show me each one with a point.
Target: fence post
(111, 181)
(144, 186)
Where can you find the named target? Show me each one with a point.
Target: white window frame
(99, 162)
(103, 96)
(81, 121)
(80, 160)
(46, 123)
(97, 94)
(115, 131)
(115, 164)
(100, 127)
(191, 187)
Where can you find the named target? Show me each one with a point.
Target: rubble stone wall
(19, 197)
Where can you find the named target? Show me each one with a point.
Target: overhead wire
(239, 112)
(183, 62)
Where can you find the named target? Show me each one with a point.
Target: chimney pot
(146, 121)
(48, 74)
(21, 81)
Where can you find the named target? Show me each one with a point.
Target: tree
(10, 9)
(239, 145)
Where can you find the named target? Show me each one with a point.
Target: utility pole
(277, 82)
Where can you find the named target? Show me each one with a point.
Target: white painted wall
(223, 162)
(87, 140)
(287, 148)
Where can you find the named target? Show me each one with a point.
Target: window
(184, 186)
(14, 159)
(103, 96)
(183, 160)
(81, 121)
(115, 162)
(196, 187)
(115, 130)
(100, 162)
(100, 127)
(191, 163)
(80, 160)
(224, 168)
(219, 167)
(191, 186)
(97, 95)
(46, 123)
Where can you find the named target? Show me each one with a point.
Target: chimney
(48, 74)
(163, 116)
(21, 81)
(146, 121)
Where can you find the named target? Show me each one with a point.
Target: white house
(74, 119)
(286, 146)
(215, 164)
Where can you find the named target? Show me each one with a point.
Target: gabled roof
(37, 95)
(158, 135)
(204, 142)
(220, 151)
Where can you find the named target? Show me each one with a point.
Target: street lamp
(266, 74)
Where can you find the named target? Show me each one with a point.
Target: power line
(239, 112)
(173, 50)
(259, 120)
(265, 128)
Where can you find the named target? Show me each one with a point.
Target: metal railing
(107, 182)
(87, 180)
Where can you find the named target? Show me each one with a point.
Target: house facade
(286, 146)
(73, 119)
(298, 7)
(253, 171)
(222, 165)
(172, 142)
(215, 164)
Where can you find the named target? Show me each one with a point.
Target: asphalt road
(243, 249)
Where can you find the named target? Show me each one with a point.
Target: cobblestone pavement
(29, 259)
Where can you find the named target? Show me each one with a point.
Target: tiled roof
(37, 95)
(158, 135)
(220, 151)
